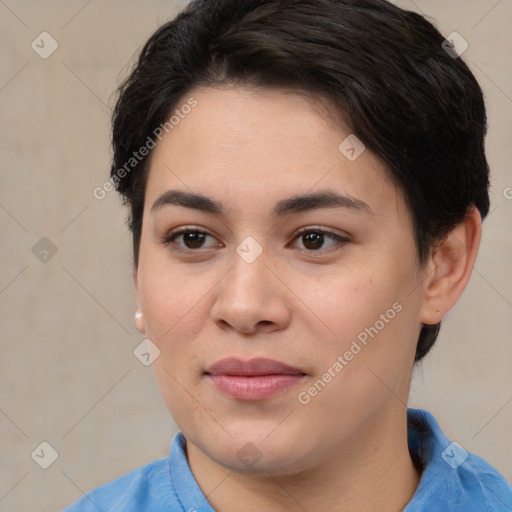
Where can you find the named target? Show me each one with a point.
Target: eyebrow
(294, 204)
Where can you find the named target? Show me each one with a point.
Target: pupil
(312, 237)
(194, 238)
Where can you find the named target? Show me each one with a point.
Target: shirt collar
(186, 489)
(451, 475)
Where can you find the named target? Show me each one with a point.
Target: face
(327, 288)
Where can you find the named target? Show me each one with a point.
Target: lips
(256, 379)
(253, 367)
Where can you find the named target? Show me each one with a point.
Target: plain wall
(69, 376)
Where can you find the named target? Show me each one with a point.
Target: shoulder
(149, 485)
(486, 482)
(452, 476)
(164, 484)
(472, 485)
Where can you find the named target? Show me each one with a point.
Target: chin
(259, 454)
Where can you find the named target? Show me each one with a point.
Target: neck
(372, 471)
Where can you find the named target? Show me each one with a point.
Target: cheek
(174, 316)
(181, 395)
(367, 316)
(345, 301)
(170, 297)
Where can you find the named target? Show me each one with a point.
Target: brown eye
(192, 239)
(314, 239)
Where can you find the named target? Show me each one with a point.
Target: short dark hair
(384, 69)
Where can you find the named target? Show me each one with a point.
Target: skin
(299, 302)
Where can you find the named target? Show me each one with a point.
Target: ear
(140, 324)
(450, 268)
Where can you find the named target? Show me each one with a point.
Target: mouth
(256, 379)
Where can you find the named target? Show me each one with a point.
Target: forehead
(252, 147)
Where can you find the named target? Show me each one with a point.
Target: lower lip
(254, 388)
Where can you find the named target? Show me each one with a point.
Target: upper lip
(258, 366)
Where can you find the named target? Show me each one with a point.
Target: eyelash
(170, 238)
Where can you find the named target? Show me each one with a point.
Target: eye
(313, 238)
(192, 239)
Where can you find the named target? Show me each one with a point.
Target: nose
(251, 298)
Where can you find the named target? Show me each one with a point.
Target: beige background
(69, 376)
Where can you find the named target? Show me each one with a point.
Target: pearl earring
(438, 313)
(138, 315)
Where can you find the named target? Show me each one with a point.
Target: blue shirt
(452, 480)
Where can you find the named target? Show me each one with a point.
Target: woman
(306, 182)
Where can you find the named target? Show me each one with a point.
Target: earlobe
(451, 266)
(139, 322)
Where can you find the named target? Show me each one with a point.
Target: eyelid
(320, 229)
